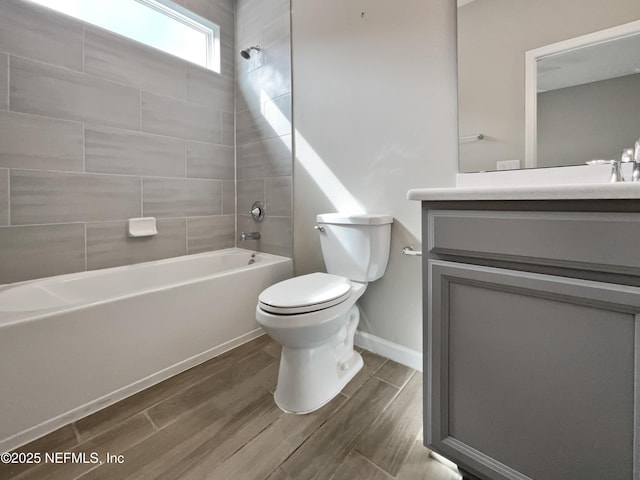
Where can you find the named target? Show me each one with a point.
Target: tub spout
(249, 236)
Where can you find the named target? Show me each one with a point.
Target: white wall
(375, 114)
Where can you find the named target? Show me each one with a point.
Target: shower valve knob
(257, 211)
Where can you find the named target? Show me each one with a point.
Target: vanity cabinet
(532, 338)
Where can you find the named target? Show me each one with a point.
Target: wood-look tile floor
(219, 421)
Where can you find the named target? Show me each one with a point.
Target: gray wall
(587, 122)
(263, 123)
(95, 129)
(375, 115)
(493, 36)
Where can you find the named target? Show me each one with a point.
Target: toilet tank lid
(354, 218)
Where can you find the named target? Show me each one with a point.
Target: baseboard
(390, 350)
(71, 416)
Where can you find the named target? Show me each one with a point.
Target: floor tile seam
(206, 402)
(358, 432)
(148, 417)
(262, 390)
(388, 383)
(373, 420)
(382, 411)
(95, 467)
(376, 420)
(214, 361)
(390, 474)
(76, 433)
(251, 439)
(136, 412)
(401, 387)
(177, 444)
(371, 375)
(337, 410)
(23, 474)
(371, 462)
(226, 419)
(110, 428)
(119, 451)
(264, 349)
(381, 365)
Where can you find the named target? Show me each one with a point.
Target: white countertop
(595, 191)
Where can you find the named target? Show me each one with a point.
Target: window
(158, 23)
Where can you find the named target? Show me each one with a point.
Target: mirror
(582, 58)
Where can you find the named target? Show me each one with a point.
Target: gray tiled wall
(95, 129)
(263, 123)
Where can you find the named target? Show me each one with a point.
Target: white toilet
(315, 316)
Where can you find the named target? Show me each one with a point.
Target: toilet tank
(355, 246)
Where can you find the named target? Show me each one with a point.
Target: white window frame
(210, 30)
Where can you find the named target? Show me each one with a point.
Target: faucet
(616, 171)
(626, 157)
(250, 236)
(635, 176)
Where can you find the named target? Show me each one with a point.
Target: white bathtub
(72, 344)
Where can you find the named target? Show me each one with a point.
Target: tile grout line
(107, 221)
(408, 380)
(377, 467)
(388, 383)
(351, 445)
(401, 387)
(77, 434)
(120, 450)
(86, 254)
(84, 147)
(107, 79)
(83, 72)
(9, 197)
(221, 197)
(186, 160)
(145, 413)
(96, 122)
(109, 174)
(186, 234)
(140, 110)
(336, 411)
(84, 43)
(8, 82)
(142, 197)
(235, 143)
(200, 381)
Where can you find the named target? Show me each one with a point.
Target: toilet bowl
(317, 358)
(314, 317)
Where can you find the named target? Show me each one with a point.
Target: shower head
(246, 53)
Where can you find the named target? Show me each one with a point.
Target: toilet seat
(305, 294)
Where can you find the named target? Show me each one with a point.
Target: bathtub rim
(40, 314)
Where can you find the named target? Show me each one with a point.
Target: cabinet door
(532, 376)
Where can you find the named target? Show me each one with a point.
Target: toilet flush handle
(320, 228)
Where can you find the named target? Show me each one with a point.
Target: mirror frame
(531, 78)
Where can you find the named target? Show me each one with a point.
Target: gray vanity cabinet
(532, 339)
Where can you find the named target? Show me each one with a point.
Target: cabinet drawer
(594, 241)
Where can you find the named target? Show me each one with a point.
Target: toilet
(314, 317)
